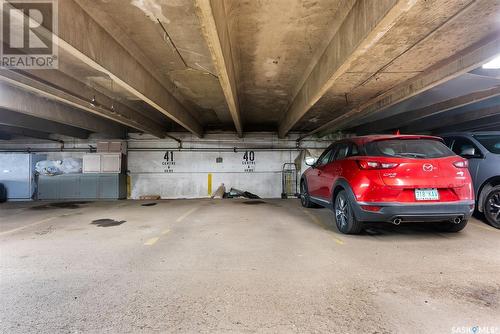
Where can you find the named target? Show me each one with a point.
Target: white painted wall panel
(205, 162)
(154, 172)
(183, 185)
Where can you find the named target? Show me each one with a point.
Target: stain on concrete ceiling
(274, 45)
(169, 34)
(276, 40)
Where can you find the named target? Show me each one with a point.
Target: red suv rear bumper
(414, 212)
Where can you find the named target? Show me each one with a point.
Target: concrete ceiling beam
(12, 130)
(417, 119)
(473, 123)
(127, 41)
(12, 118)
(489, 127)
(461, 62)
(213, 19)
(83, 38)
(453, 119)
(19, 100)
(371, 19)
(68, 90)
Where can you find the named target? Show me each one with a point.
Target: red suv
(390, 178)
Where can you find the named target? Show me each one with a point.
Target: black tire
(451, 227)
(344, 215)
(3, 193)
(304, 196)
(491, 208)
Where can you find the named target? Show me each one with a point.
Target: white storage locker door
(16, 174)
(110, 163)
(92, 163)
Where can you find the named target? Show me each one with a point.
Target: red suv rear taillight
(461, 164)
(371, 164)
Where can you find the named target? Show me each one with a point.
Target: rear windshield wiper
(416, 155)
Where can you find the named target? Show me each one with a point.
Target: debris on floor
(233, 193)
(150, 197)
(220, 192)
(149, 204)
(236, 193)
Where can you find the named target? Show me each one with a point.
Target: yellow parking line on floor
(151, 241)
(318, 222)
(181, 218)
(46, 220)
(339, 241)
(486, 227)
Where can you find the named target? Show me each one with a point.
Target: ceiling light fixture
(493, 64)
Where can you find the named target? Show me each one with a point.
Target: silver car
(482, 149)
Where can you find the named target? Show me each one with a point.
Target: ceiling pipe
(225, 149)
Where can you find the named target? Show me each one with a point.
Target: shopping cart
(289, 185)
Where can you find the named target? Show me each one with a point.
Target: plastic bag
(48, 167)
(57, 167)
(71, 166)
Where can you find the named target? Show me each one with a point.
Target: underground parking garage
(229, 166)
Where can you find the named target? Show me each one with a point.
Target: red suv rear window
(408, 148)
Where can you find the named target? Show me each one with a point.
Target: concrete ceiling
(311, 66)
(277, 41)
(451, 104)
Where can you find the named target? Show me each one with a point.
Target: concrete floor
(237, 266)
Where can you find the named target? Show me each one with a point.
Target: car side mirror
(310, 161)
(469, 153)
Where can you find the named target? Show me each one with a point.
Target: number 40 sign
(248, 162)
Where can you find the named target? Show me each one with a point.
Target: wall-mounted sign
(168, 162)
(173, 161)
(248, 162)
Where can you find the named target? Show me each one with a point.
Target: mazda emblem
(428, 167)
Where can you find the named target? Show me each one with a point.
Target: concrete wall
(253, 164)
(188, 175)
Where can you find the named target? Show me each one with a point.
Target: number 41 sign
(168, 162)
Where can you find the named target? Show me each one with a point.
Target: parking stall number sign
(172, 161)
(168, 162)
(248, 162)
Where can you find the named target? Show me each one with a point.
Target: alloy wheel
(493, 206)
(342, 212)
(303, 193)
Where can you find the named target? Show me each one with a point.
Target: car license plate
(427, 194)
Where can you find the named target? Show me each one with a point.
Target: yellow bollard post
(209, 181)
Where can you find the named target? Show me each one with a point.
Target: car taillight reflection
(461, 164)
